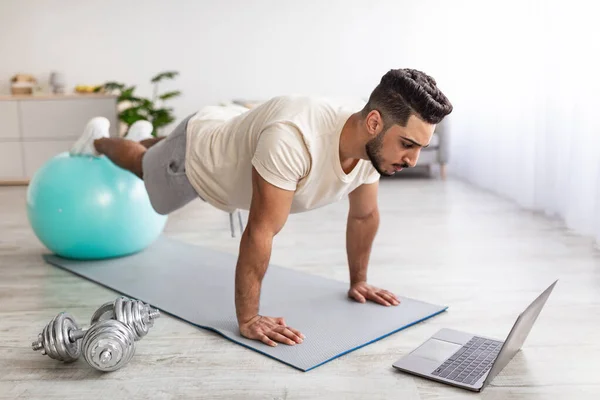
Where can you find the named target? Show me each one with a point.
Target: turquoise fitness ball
(86, 207)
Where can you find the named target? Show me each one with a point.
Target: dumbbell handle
(74, 336)
(77, 334)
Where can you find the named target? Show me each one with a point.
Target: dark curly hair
(403, 92)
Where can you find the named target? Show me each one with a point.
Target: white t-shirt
(293, 142)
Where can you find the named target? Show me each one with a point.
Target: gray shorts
(163, 167)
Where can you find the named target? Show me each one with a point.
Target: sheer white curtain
(525, 81)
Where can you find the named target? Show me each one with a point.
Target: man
(287, 155)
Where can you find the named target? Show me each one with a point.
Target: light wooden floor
(442, 242)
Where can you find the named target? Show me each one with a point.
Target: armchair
(437, 154)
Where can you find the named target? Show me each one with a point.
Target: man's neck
(351, 148)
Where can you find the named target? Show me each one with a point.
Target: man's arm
(269, 210)
(361, 229)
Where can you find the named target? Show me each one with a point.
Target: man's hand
(270, 330)
(362, 292)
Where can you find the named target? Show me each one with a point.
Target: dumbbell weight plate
(56, 340)
(104, 312)
(108, 345)
(134, 313)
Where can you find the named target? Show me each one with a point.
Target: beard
(373, 149)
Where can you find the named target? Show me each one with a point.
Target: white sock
(139, 131)
(96, 128)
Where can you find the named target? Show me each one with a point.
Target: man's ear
(374, 123)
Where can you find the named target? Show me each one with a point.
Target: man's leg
(162, 168)
(147, 143)
(124, 153)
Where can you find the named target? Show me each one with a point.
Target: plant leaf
(170, 95)
(136, 100)
(162, 117)
(111, 85)
(147, 104)
(128, 92)
(164, 75)
(123, 97)
(131, 115)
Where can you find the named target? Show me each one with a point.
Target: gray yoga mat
(196, 284)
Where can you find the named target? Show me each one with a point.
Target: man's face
(398, 147)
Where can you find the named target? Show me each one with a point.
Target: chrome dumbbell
(60, 339)
(136, 314)
(107, 345)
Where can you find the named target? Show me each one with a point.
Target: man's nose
(411, 158)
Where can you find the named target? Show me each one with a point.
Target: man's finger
(390, 298)
(394, 298)
(378, 299)
(290, 334)
(268, 341)
(357, 296)
(281, 321)
(297, 332)
(391, 294)
(281, 338)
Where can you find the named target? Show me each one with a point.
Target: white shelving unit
(34, 128)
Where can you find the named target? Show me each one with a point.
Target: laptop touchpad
(436, 350)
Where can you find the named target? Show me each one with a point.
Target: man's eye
(407, 145)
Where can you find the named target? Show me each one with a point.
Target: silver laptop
(470, 361)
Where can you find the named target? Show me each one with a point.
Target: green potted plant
(133, 108)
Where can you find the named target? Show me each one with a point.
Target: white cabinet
(35, 128)
(9, 118)
(11, 161)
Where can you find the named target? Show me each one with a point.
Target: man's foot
(96, 128)
(140, 130)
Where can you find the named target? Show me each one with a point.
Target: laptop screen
(519, 333)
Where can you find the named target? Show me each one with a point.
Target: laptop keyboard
(470, 362)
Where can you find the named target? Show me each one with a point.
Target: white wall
(526, 123)
(223, 49)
